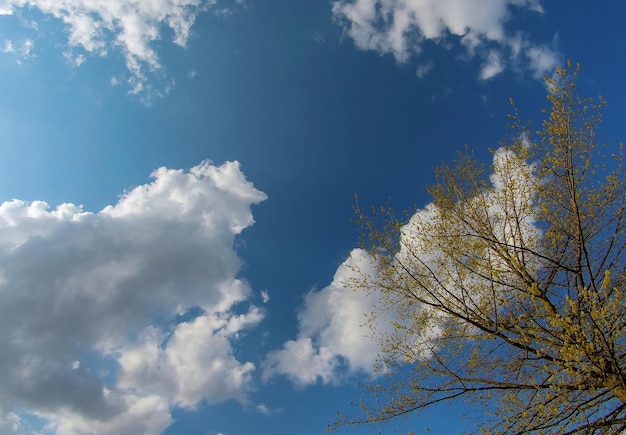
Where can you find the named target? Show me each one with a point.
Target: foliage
(508, 289)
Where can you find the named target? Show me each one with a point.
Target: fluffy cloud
(97, 26)
(107, 319)
(509, 208)
(400, 28)
(332, 339)
(197, 363)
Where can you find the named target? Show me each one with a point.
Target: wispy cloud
(542, 60)
(91, 304)
(423, 69)
(96, 27)
(22, 49)
(492, 67)
(401, 27)
(263, 409)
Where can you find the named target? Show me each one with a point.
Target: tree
(508, 289)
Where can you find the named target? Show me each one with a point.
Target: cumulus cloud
(108, 319)
(333, 343)
(197, 364)
(513, 182)
(400, 28)
(332, 339)
(97, 26)
(141, 415)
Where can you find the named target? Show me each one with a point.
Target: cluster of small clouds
(132, 26)
(109, 319)
(397, 27)
(402, 28)
(22, 49)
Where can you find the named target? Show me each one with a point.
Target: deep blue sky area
(170, 311)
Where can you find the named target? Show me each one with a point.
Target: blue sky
(178, 180)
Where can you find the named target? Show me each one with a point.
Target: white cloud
(132, 26)
(492, 67)
(74, 60)
(543, 60)
(265, 296)
(80, 293)
(22, 49)
(332, 341)
(302, 361)
(8, 46)
(197, 364)
(141, 415)
(424, 254)
(11, 423)
(423, 69)
(332, 338)
(263, 409)
(400, 27)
